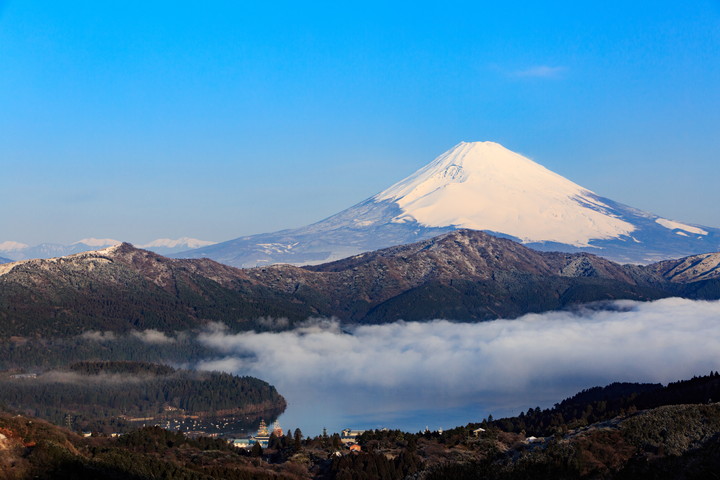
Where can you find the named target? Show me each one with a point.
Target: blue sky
(138, 120)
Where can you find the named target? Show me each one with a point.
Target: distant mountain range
(14, 251)
(463, 275)
(481, 186)
(167, 246)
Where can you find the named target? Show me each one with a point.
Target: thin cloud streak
(541, 71)
(152, 336)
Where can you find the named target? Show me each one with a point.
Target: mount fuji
(480, 186)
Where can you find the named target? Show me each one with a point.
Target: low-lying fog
(443, 374)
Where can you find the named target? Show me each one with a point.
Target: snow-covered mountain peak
(11, 245)
(166, 246)
(485, 186)
(98, 242)
(180, 242)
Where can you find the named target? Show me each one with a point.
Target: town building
(350, 436)
(262, 437)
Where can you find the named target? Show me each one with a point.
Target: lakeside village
(347, 439)
(193, 426)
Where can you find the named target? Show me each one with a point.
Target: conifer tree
(336, 443)
(257, 450)
(298, 439)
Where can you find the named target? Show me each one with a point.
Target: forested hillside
(117, 395)
(603, 403)
(678, 438)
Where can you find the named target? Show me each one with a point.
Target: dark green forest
(101, 395)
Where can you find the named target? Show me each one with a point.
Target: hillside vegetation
(676, 439)
(115, 396)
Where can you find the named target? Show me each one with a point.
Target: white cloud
(152, 336)
(657, 341)
(98, 336)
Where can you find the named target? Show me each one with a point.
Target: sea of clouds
(534, 359)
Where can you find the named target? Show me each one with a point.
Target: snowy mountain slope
(97, 242)
(485, 186)
(482, 186)
(705, 266)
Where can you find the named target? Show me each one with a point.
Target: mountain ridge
(462, 275)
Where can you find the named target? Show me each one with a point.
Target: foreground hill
(481, 186)
(463, 275)
(622, 431)
(676, 437)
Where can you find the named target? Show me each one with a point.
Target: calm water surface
(312, 409)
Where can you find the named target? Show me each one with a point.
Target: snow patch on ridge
(672, 225)
(96, 255)
(484, 186)
(7, 267)
(270, 248)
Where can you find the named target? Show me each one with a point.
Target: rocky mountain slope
(689, 269)
(481, 186)
(121, 288)
(464, 275)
